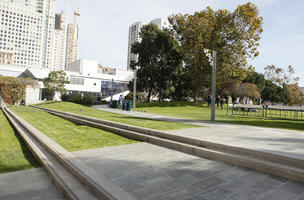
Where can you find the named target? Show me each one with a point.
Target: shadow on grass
(26, 153)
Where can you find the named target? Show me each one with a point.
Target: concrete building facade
(69, 43)
(27, 31)
(60, 43)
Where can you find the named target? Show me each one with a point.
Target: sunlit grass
(69, 135)
(14, 155)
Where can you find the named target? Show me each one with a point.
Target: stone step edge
(97, 183)
(47, 161)
(277, 169)
(281, 159)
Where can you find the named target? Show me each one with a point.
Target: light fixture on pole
(212, 61)
(134, 84)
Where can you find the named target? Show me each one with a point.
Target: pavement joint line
(99, 185)
(279, 169)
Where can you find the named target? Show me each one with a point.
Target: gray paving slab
(279, 141)
(152, 172)
(28, 185)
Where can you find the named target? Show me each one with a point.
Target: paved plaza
(33, 184)
(150, 172)
(280, 141)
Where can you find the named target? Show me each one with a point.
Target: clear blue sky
(104, 27)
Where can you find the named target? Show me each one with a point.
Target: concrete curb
(293, 162)
(234, 155)
(96, 183)
(65, 183)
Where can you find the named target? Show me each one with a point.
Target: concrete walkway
(279, 141)
(151, 172)
(33, 184)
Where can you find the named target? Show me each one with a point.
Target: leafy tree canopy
(159, 59)
(234, 35)
(55, 82)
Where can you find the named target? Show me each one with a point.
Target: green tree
(159, 59)
(234, 35)
(269, 90)
(295, 94)
(256, 78)
(248, 90)
(55, 82)
(285, 79)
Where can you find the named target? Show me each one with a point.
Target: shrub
(86, 99)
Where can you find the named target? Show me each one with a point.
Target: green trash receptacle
(129, 105)
(114, 104)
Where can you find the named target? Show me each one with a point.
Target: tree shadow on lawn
(26, 152)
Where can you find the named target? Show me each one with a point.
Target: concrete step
(260, 164)
(96, 183)
(272, 157)
(63, 179)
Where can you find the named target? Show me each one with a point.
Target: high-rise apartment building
(27, 31)
(60, 43)
(69, 42)
(134, 36)
(134, 30)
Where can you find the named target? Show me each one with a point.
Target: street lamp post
(212, 60)
(213, 87)
(134, 89)
(112, 88)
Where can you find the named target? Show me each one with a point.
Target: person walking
(209, 100)
(217, 100)
(120, 101)
(222, 102)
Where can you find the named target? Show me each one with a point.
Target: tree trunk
(195, 94)
(53, 96)
(159, 96)
(149, 95)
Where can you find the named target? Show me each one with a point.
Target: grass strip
(201, 112)
(14, 155)
(91, 112)
(69, 135)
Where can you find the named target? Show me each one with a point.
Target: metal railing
(267, 112)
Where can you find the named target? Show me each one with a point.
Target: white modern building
(69, 43)
(134, 36)
(161, 23)
(84, 77)
(27, 31)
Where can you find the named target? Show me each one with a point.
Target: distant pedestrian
(218, 99)
(120, 101)
(209, 100)
(222, 102)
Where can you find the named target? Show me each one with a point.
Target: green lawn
(91, 112)
(14, 155)
(201, 112)
(69, 135)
